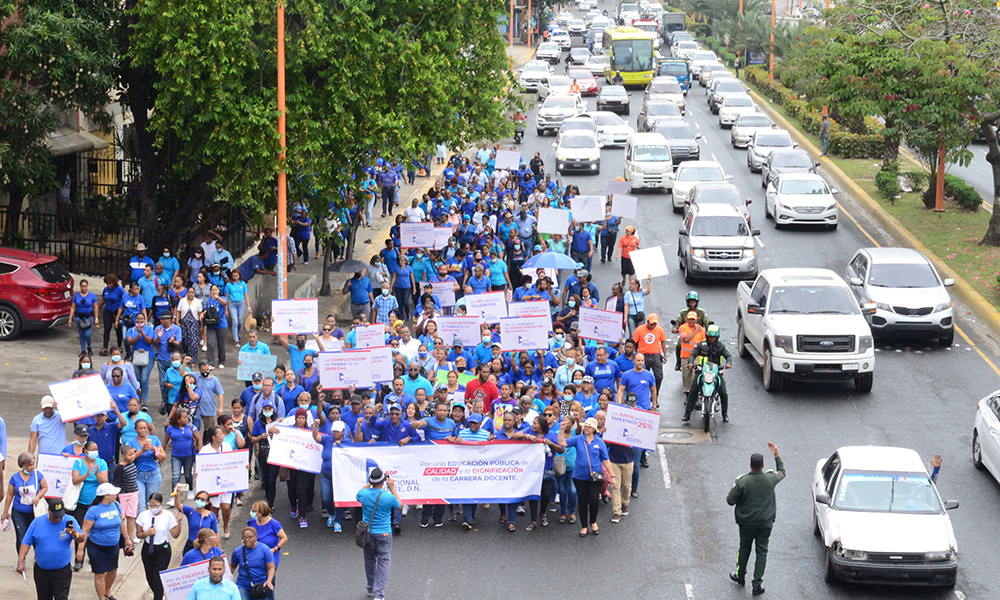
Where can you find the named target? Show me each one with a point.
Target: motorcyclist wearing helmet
(692, 299)
(618, 79)
(709, 351)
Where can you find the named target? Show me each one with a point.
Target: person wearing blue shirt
(377, 507)
(170, 264)
(237, 305)
(137, 264)
(415, 381)
(338, 437)
(403, 284)
(147, 285)
(457, 350)
(121, 391)
(253, 564)
(210, 388)
(255, 265)
(83, 312)
(298, 352)
(48, 434)
(52, 536)
(111, 301)
(608, 234)
(582, 245)
(254, 345)
(626, 359)
(167, 338)
(479, 282)
(132, 304)
(302, 232)
(222, 257)
(104, 526)
(141, 340)
(104, 432)
(360, 289)
(162, 303)
(640, 382)
(591, 456)
(604, 372)
(393, 430)
(205, 547)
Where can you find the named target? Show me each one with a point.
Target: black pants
(692, 396)
(387, 200)
(109, 325)
(546, 499)
(654, 364)
(302, 248)
(588, 500)
(52, 585)
(79, 513)
(301, 488)
(268, 476)
(608, 246)
(154, 560)
(753, 535)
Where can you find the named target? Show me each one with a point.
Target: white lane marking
(689, 591)
(760, 242)
(696, 126)
(662, 451)
(713, 157)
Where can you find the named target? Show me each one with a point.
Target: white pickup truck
(806, 325)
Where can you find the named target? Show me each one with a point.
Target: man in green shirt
(753, 497)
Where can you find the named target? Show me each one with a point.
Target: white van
(647, 161)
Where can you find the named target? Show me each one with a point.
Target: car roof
(896, 255)
(561, 97)
(646, 138)
(716, 185)
(802, 177)
(579, 132)
(772, 130)
(716, 210)
(615, 88)
(881, 458)
(737, 96)
(698, 163)
(581, 118)
(803, 275)
(25, 255)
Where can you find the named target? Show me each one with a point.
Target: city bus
(630, 51)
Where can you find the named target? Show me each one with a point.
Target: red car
(584, 79)
(35, 292)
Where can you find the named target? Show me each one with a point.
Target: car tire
(949, 339)
(741, 340)
(763, 180)
(687, 276)
(10, 323)
(829, 575)
(539, 132)
(767, 212)
(816, 530)
(977, 451)
(773, 380)
(864, 383)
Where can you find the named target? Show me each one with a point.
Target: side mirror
(755, 309)
(868, 309)
(950, 504)
(755, 232)
(949, 282)
(834, 191)
(823, 498)
(729, 177)
(670, 175)
(749, 201)
(698, 136)
(816, 164)
(682, 232)
(856, 281)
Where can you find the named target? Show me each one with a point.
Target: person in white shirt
(155, 525)
(408, 346)
(414, 214)
(212, 443)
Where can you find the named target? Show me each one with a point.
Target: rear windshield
(720, 226)
(51, 272)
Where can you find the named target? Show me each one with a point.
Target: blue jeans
(246, 595)
(237, 312)
(142, 375)
(378, 559)
(567, 493)
(179, 464)
(825, 141)
(468, 513)
(149, 482)
(636, 469)
(161, 369)
(326, 492)
(432, 510)
(85, 336)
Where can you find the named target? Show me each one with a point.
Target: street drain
(682, 436)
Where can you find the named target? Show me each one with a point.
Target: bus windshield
(632, 55)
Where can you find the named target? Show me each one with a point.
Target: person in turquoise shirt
(172, 379)
(378, 552)
(499, 280)
(170, 265)
(147, 285)
(236, 294)
(215, 586)
(254, 345)
(423, 268)
(90, 470)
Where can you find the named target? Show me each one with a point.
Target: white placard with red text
(631, 426)
(296, 449)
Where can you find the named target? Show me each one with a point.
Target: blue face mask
(422, 354)
(571, 303)
(257, 387)
(92, 455)
(199, 503)
(253, 514)
(176, 364)
(570, 362)
(568, 397)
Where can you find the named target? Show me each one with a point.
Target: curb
(969, 296)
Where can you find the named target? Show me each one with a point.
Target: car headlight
(832, 206)
(942, 306)
(939, 556)
(856, 554)
(865, 343)
(749, 252)
(784, 342)
(698, 252)
(883, 306)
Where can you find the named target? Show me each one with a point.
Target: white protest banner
(443, 473)
(553, 220)
(177, 583)
(489, 307)
(601, 325)
(341, 370)
(416, 235)
(508, 159)
(649, 262)
(525, 333)
(587, 208)
(466, 329)
(81, 397)
(624, 206)
(445, 291)
(631, 426)
(618, 187)
(441, 237)
(296, 449)
(530, 308)
(58, 472)
(222, 472)
(251, 362)
(294, 316)
(380, 362)
(368, 336)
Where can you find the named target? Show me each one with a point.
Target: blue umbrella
(550, 260)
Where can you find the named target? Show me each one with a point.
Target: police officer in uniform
(753, 497)
(712, 351)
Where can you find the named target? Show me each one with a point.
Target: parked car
(584, 80)
(909, 295)
(533, 73)
(734, 106)
(745, 126)
(801, 199)
(778, 162)
(612, 130)
(683, 141)
(986, 435)
(613, 98)
(881, 519)
(765, 141)
(654, 111)
(578, 151)
(35, 292)
(693, 172)
(555, 110)
(549, 52)
(665, 87)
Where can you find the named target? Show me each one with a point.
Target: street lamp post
(771, 58)
(281, 225)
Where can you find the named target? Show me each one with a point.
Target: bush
(917, 179)
(955, 188)
(887, 181)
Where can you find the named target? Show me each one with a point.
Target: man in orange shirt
(692, 334)
(651, 342)
(626, 245)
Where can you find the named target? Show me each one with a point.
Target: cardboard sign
(601, 325)
(58, 472)
(531, 308)
(525, 333)
(341, 370)
(251, 362)
(177, 583)
(553, 220)
(588, 208)
(649, 262)
(445, 291)
(508, 159)
(466, 329)
(631, 426)
(489, 307)
(294, 316)
(441, 237)
(222, 472)
(369, 336)
(296, 449)
(624, 206)
(82, 397)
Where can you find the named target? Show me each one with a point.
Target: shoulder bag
(257, 590)
(640, 315)
(140, 358)
(72, 494)
(362, 535)
(595, 476)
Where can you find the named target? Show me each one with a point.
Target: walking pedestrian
(377, 509)
(154, 525)
(104, 526)
(753, 497)
(25, 490)
(52, 536)
(824, 134)
(216, 586)
(253, 565)
(588, 473)
(737, 64)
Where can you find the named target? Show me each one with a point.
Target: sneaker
(686, 417)
(337, 528)
(303, 523)
(295, 514)
(616, 518)
(520, 509)
(624, 511)
(406, 510)
(348, 515)
(425, 524)
(190, 494)
(170, 503)
(438, 523)
(396, 529)
(136, 541)
(204, 347)
(222, 366)
(635, 493)
(329, 521)
(239, 502)
(77, 566)
(324, 513)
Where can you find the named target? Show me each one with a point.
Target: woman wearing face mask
(140, 338)
(84, 368)
(564, 374)
(196, 262)
(499, 280)
(215, 335)
(173, 378)
(308, 375)
(213, 443)
(302, 483)
(182, 438)
(188, 397)
(91, 471)
(289, 391)
(155, 526)
(338, 436)
(236, 293)
(200, 517)
(586, 300)
(188, 315)
(261, 440)
(569, 314)
(149, 457)
(83, 316)
(206, 546)
(378, 273)
(118, 360)
(25, 489)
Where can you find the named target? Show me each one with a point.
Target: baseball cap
(166, 316)
(257, 376)
(474, 418)
(652, 318)
(441, 388)
(355, 399)
(393, 407)
(756, 460)
(80, 429)
(48, 401)
(516, 411)
(588, 379)
(106, 489)
(267, 402)
(692, 314)
(337, 426)
(498, 345)
(56, 508)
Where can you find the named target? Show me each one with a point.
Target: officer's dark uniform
(753, 497)
(702, 320)
(713, 353)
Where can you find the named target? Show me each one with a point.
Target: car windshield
(887, 492)
(578, 125)
(632, 55)
(804, 187)
(651, 153)
(559, 103)
(687, 45)
(713, 67)
(608, 119)
(813, 300)
(792, 159)
(729, 86)
(707, 55)
(665, 87)
(906, 275)
(737, 102)
(614, 91)
(536, 68)
(578, 141)
(720, 226)
(719, 196)
(674, 68)
(752, 121)
(674, 131)
(560, 81)
(774, 140)
(700, 174)
(665, 109)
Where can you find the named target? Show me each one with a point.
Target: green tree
(54, 57)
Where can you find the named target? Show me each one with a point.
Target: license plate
(850, 366)
(66, 294)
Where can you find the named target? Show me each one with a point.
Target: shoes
(294, 513)
(624, 511)
(337, 528)
(303, 523)
(605, 498)
(757, 591)
(643, 461)
(725, 418)
(466, 526)
(396, 529)
(136, 541)
(616, 519)
(324, 513)
(406, 510)
(424, 524)
(329, 522)
(204, 347)
(190, 494)
(635, 493)
(222, 366)
(239, 502)
(305, 262)
(225, 535)
(77, 566)
(687, 416)
(520, 510)
(737, 579)
(348, 516)
(677, 367)
(170, 503)
(103, 352)
(438, 523)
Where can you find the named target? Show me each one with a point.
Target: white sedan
(881, 519)
(800, 198)
(612, 130)
(986, 435)
(734, 106)
(689, 174)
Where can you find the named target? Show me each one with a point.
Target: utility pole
(282, 224)
(771, 59)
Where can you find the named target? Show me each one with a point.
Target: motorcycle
(708, 393)
(518, 133)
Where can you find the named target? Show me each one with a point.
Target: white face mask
(156, 510)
